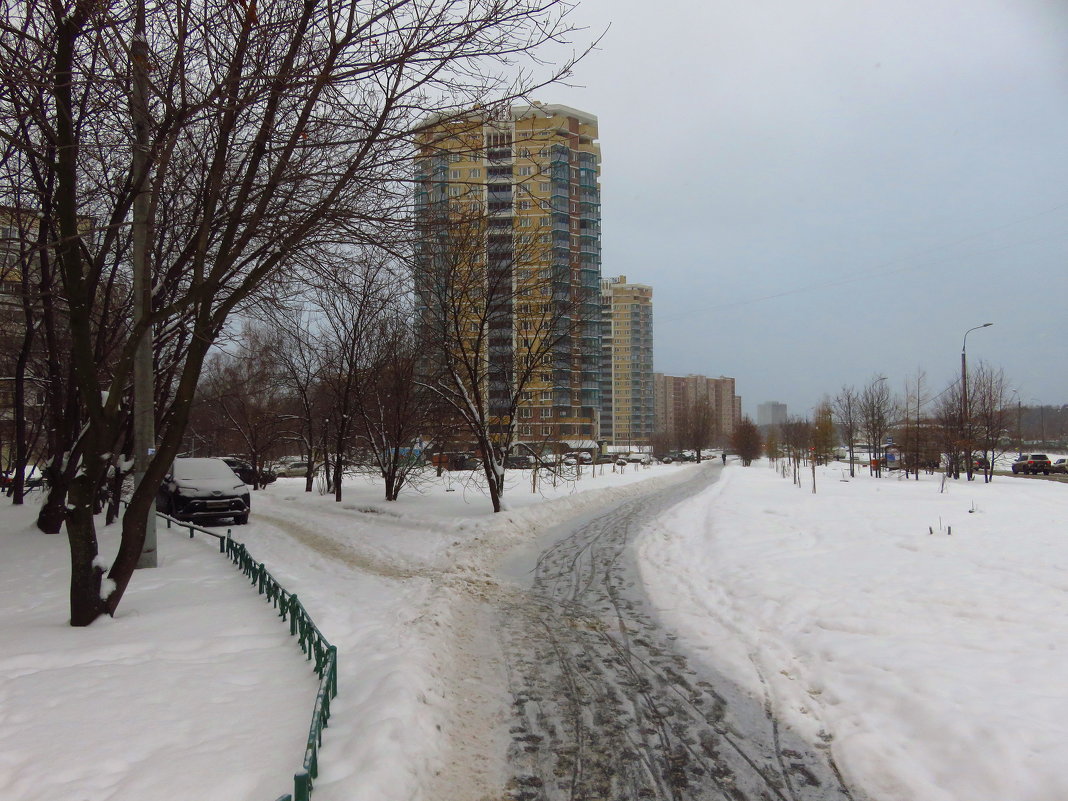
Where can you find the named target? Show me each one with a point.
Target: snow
(932, 660)
(935, 660)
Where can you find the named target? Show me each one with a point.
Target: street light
(964, 398)
(1019, 434)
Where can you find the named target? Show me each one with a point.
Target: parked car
(32, 481)
(518, 461)
(1059, 466)
(294, 470)
(203, 489)
(585, 457)
(244, 471)
(1033, 463)
(570, 459)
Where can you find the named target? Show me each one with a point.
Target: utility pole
(144, 424)
(965, 417)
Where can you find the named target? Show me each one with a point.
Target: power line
(882, 270)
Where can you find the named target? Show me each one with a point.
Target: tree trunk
(86, 605)
(50, 517)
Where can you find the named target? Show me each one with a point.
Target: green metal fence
(311, 641)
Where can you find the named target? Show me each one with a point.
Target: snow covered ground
(932, 659)
(935, 660)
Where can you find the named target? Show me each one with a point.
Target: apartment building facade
(527, 181)
(627, 393)
(673, 395)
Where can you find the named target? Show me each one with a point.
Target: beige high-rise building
(531, 179)
(627, 362)
(674, 394)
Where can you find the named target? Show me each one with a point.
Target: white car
(294, 470)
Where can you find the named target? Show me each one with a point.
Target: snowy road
(607, 707)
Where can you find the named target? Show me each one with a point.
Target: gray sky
(821, 191)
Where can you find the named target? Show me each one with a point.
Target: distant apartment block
(627, 395)
(674, 394)
(771, 413)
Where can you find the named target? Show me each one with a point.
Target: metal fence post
(301, 786)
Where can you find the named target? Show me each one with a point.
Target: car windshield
(191, 469)
(1039, 456)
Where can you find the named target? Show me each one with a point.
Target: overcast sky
(821, 191)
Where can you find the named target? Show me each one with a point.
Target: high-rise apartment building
(627, 362)
(771, 413)
(674, 395)
(530, 179)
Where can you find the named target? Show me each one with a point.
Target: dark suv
(1033, 463)
(203, 489)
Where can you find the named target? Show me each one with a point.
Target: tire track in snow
(606, 708)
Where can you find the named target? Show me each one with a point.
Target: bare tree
(876, 408)
(353, 295)
(399, 417)
(988, 402)
(697, 425)
(273, 128)
(472, 302)
(947, 427)
(846, 406)
(915, 432)
(299, 363)
(796, 439)
(247, 396)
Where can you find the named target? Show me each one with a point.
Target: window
(547, 430)
(528, 396)
(454, 191)
(524, 204)
(454, 175)
(526, 411)
(525, 430)
(454, 157)
(474, 172)
(547, 396)
(527, 170)
(543, 186)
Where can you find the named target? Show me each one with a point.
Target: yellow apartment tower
(527, 182)
(627, 398)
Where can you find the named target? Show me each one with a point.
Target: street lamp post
(1019, 434)
(965, 419)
